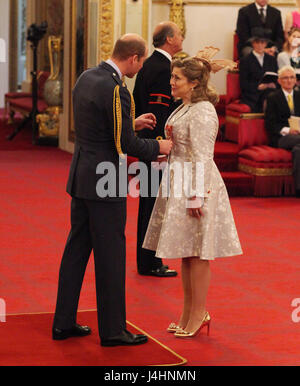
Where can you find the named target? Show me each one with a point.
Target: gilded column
(177, 14)
(106, 30)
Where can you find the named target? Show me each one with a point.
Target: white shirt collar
(286, 93)
(259, 7)
(258, 55)
(167, 55)
(113, 64)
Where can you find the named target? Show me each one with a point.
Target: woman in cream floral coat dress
(192, 217)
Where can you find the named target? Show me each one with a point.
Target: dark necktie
(262, 15)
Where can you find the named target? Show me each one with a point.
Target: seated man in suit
(252, 69)
(281, 104)
(259, 15)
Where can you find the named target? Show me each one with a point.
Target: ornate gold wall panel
(106, 28)
(232, 2)
(177, 14)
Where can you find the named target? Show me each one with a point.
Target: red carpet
(22, 141)
(249, 298)
(26, 341)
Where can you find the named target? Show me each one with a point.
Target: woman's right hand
(194, 207)
(195, 212)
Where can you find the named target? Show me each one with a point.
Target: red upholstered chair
(237, 113)
(22, 101)
(230, 92)
(221, 109)
(270, 167)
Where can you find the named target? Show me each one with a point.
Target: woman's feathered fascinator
(206, 56)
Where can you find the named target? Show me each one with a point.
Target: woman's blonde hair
(198, 70)
(287, 45)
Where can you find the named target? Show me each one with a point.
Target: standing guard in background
(152, 93)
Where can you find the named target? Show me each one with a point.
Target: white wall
(4, 34)
(208, 25)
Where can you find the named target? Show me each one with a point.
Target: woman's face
(294, 35)
(181, 87)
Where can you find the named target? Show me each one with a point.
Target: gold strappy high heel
(173, 327)
(185, 334)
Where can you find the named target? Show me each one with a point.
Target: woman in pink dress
(292, 20)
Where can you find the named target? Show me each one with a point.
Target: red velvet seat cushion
(256, 165)
(240, 108)
(17, 94)
(266, 155)
(26, 104)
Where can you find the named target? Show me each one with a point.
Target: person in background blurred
(281, 105)
(292, 20)
(290, 55)
(259, 14)
(252, 69)
(152, 94)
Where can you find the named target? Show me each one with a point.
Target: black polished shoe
(125, 338)
(163, 271)
(76, 330)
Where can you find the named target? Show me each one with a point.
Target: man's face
(135, 64)
(261, 3)
(176, 40)
(259, 46)
(287, 80)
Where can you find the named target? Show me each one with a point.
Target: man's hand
(271, 50)
(165, 146)
(264, 86)
(145, 121)
(294, 132)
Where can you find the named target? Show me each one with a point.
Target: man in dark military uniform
(152, 93)
(104, 121)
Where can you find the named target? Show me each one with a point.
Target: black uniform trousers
(292, 142)
(97, 226)
(146, 260)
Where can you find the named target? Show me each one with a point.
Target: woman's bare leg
(199, 281)
(187, 291)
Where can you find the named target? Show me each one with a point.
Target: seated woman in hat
(253, 68)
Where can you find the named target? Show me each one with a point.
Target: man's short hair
(284, 69)
(160, 37)
(126, 47)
